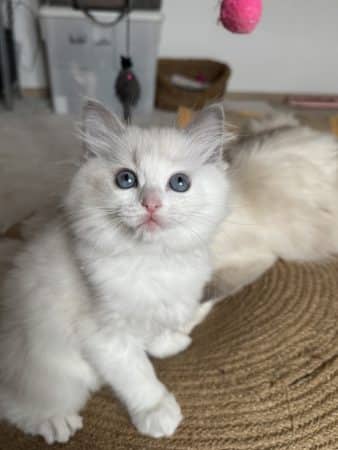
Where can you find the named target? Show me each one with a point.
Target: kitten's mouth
(151, 223)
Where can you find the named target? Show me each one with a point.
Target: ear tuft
(100, 127)
(208, 133)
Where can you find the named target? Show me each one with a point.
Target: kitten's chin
(144, 228)
(150, 229)
(151, 226)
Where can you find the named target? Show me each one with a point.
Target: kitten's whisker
(191, 230)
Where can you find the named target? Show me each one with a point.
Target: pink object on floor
(240, 16)
(313, 101)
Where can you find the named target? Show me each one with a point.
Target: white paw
(160, 421)
(169, 344)
(58, 429)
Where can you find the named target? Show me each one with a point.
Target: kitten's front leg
(201, 313)
(168, 343)
(124, 365)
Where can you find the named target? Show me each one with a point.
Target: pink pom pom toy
(240, 16)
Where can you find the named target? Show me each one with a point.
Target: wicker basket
(170, 96)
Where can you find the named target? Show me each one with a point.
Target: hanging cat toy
(127, 86)
(240, 16)
(237, 16)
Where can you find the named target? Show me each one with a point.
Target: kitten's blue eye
(179, 182)
(126, 179)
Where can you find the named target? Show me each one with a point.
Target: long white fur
(93, 294)
(284, 202)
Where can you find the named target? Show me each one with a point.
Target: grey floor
(35, 148)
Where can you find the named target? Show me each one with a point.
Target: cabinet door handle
(77, 39)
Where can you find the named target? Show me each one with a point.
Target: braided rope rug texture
(262, 374)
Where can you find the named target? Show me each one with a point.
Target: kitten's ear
(99, 128)
(208, 133)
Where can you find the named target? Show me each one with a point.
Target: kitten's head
(159, 185)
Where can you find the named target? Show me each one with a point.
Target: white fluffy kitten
(117, 277)
(284, 201)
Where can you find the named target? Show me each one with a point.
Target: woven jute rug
(262, 374)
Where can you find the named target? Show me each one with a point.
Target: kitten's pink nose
(151, 202)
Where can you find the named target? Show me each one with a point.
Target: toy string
(128, 28)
